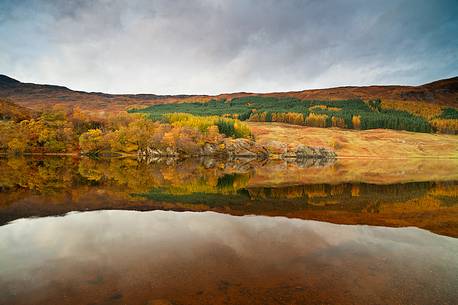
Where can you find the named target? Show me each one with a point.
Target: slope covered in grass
(11, 111)
(378, 143)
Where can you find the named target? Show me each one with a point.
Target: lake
(205, 231)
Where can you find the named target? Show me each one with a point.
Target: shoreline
(2, 154)
(279, 141)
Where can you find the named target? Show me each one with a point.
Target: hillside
(11, 111)
(442, 92)
(377, 143)
(39, 97)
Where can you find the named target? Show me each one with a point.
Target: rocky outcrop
(301, 152)
(280, 150)
(243, 148)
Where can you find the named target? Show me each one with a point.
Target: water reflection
(412, 192)
(160, 257)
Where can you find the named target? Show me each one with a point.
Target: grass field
(375, 143)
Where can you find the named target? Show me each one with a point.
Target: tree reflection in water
(422, 193)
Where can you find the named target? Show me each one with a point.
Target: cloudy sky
(215, 46)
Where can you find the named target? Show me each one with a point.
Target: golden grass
(375, 143)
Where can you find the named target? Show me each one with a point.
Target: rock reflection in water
(126, 257)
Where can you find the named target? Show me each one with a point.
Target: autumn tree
(356, 122)
(93, 141)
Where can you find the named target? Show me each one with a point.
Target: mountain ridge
(38, 96)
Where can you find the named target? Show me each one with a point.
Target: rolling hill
(35, 96)
(39, 97)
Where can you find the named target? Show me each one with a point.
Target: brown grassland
(375, 143)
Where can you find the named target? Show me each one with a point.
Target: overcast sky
(215, 46)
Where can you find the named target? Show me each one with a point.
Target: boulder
(303, 151)
(276, 147)
(209, 149)
(244, 148)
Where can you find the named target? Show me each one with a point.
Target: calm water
(82, 231)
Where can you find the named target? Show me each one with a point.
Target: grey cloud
(221, 46)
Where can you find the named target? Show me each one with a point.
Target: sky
(218, 46)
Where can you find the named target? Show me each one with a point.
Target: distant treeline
(352, 114)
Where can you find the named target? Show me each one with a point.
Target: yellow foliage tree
(338, 122)
(316, 120)
(356, 122)
(423, 109)
(17, 146)
(93, 141)
(449, 126)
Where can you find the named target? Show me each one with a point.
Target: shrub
(93, 141)
(227, 126)
(189, 120)
(233, 128)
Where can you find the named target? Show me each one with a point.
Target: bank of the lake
(375, 143)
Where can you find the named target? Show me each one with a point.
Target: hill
(441, 92)
(39, 97)
(11, 111)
